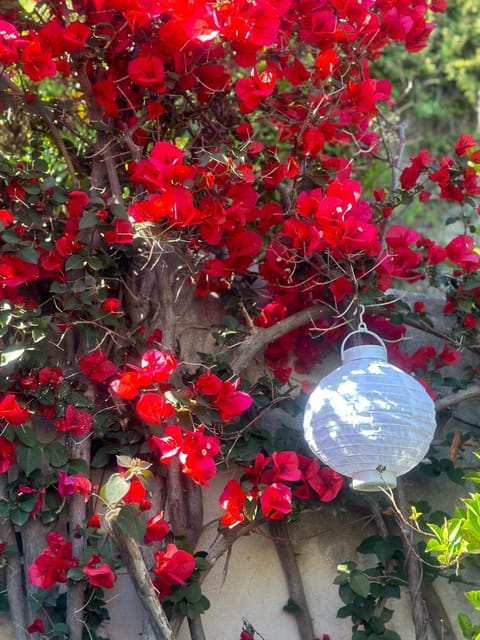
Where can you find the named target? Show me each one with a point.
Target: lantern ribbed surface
(369, 420)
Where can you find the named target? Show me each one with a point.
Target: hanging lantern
(368, 419)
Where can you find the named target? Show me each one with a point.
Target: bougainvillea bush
(186, 191)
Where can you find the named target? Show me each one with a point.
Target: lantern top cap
(379, 351)
(369, 351)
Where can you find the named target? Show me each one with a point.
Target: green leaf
(88, 220)
(60, 629)
(100, 459)
(27, 501)
(78, 465)
(376, 624)
(26, 435)
(345, 593)
(19, 517)
(10, 354)
(76, 574)
(75, 261)
(28, 458)
(360, 584)
(95, 263)
(201, 563)
(28, 254)
(193, 593)
(465, 625)
(132, 522)
(345, 612)
(115, 488)
(53, 500)
(474, 597)
(56, 454)
(391, 635)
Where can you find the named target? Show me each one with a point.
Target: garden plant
(197, 198)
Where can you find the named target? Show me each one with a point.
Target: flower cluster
(195, 450)
(274, 481)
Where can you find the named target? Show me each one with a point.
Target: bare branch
(413, 569)
(296, 591)
(16, 598)
(453, 399)
(133, 561)
(255, 343)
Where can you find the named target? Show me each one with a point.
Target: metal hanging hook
(361, 323)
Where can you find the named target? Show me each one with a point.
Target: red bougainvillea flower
(156, 367)
(37, 625)
(195, 450)
(170, 445)
(7, 457)
(12, 412)
(53, 563)
(172, 566)
(224, 396)
(232, 499)
(97, 367)
(94, 521)
(276, 501)
(126, 386)
(75, 421)
(50, 375)
(157, 529)
(461, 251)
(99, 573)
(285, 466)
(449, 356)
(136, 494)
(122, 232)
(40, 493)
(464, 144)
(37, 61)
(208, 384)
(326, 483)
(111, 305)
(153, 408)
(75, 36)
(77, 483)
(147, 71)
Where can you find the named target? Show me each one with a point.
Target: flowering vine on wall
(160, 156)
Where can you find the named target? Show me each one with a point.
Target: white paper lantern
(369, 420)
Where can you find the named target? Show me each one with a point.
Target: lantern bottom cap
(374, 480)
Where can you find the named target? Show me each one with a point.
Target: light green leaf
(132, 522)
(10, 354)
(115, 488)
(474, 597)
